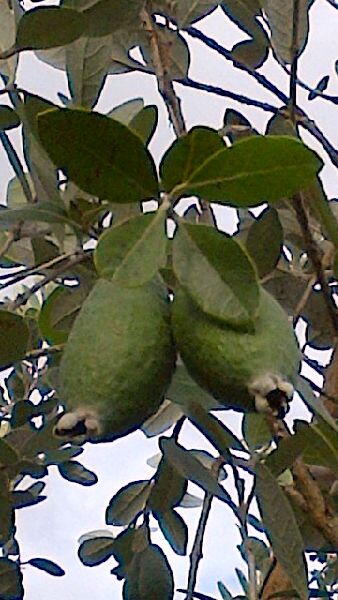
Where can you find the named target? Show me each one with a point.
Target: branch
(33, 354)
(17, 166)
(197, 549)
(314, 255)
(161, 61)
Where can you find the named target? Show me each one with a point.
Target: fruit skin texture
(232, 364)
(118, 361)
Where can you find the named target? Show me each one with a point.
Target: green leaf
(191, 501)
(168, 489)
(107, 16)
(187, 153)
(218, 434)
(254, 170)
(47, 565)
(289, 27)
(47, 27)
(315, 404)
(96, 551)
(129, 501)
(186, 12)
(102, 156)
(265, 240)
(87, 65)
(8, 118)
(40, 212)
(14, 338)
(124, 113)
(174, 530)
(236, 126)
(243, 581)
(77, 473)
(130, 254)
(149, 576)
(217, 273)
(191, 468)
(223, 591)
(320, 445)
(167, 415)
(283, 532)
(11, 587)
(7, 36)
(183, 390)
(144, 123)
(255, 430)
(59, 311)
(178, 57)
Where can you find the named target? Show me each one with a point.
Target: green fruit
(242, 369)
(118, 361)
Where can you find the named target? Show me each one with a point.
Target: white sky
(52, 529)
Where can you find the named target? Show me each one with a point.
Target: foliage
(142, 318)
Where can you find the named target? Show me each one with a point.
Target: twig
(16, 165)
(23, 298)
(314, 255)
(196, 554)
(161, 61)
(33, 354)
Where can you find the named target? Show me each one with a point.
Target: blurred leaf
(124, 113)
(217, 273)
(176, 59)
(185, 12)
(144, 123)
(96, 551)
(174, 530)
(8, 455)
(320, 87)
(268, 166)
(44, 212)
(130, 542)
(130, 254)
(167, 415)
(252, 520)
(47, 27)
(77, 473)
(255, 430)
(106, 16)
(14, 336)
(99, 154)
(265, 241)
(59, 311)
(168, 489)
(127, 503)
(236, 126)
(11, 587)
(284, 533)
(56, 457)
(258, 549)
(190, 501)
(223, 591)
(252, 53)
(149, 576)
(243, 581)
(289, 27)
(191, 468)
(8, 118)
(87, 65)
(314, 403)
(47, 565)
(7, 36)
(320, 444)
(6, 513)
(23, 411)
(183, 390)
(280, 124)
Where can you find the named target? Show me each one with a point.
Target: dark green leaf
(252, 520)
(183, 389)
(96, 551)
(174, 530)
(48, 27)
(56, 457)
(6, 512)
(14, 336)
(59, 311)
(254, 170)
(102, 156)
(77, 473)
(8, 118)
(124, 113)
(185, 11)
(106, 16)
(255, 430)
(130, 542)
(145, 122)
(223, 591)
(23, 411)
(265, 240)
(149, 576)
(191, 468)
(168, 489)
(219, 435)
(217, 273)
(243, 581)
(130, 254)
(283, 532)
(129, 501)
(236, 126)
(22, 499)
(43, 212)
(47, 565)
(11, 587)
(252, 53)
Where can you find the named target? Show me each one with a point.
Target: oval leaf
(48, 27)
(77, 473)
(217, 273)
(96, 551)
(174, 530)
(47, 565)
(149, 575)
(254, 170)
(14, 336)
(127, 503)
(166, 416)
(102, 156)
(130, 254)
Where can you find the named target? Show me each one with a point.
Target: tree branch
(197, 549)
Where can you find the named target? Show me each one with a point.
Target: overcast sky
(52, 529)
